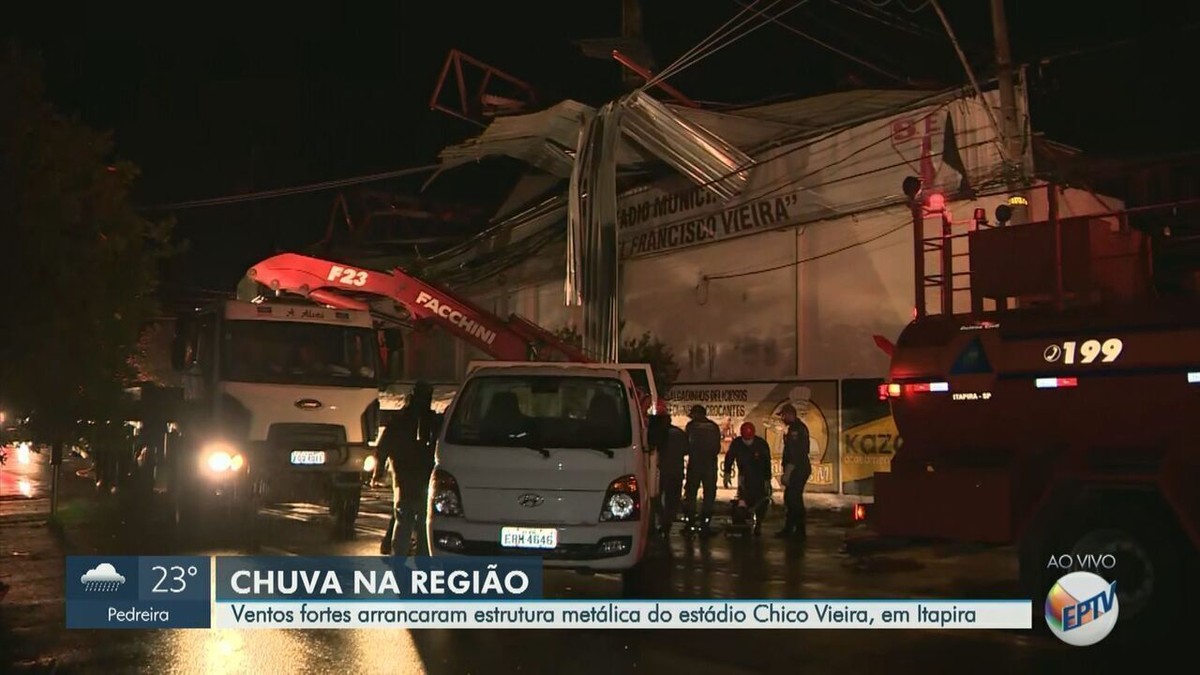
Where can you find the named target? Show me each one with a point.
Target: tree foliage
(80, 265)
(644, 348)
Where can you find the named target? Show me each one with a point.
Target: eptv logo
(1082, 608)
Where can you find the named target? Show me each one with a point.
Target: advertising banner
(729, 405)
(869, 436)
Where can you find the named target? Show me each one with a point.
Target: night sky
(214, 99)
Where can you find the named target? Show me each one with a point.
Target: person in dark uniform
(656, 439)
(752, 456)
(704, 451)
(797, 469)
(670, 473)
(409, 443)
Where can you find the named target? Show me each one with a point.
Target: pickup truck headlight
(222, 458)
(622, 501)
(444, 497)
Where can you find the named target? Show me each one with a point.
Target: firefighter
(407, 448)
(752, 456)
(797, 469)
(671, 456)
(704, 450)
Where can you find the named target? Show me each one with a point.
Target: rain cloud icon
(102, 577)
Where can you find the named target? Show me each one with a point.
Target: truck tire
(1148, 564)
(634, 581)
(344, 506)
(250, 525)
(642, 580)
(184, 520)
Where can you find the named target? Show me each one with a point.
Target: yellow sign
(868, 448)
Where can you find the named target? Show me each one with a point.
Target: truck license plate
(308, 457)
(528, 537)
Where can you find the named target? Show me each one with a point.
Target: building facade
(777, 295)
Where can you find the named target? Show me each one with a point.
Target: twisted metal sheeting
(702, 156)
(593, 263)
(592, 252)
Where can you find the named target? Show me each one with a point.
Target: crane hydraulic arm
(348, 287)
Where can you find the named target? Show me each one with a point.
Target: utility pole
(631, 32)
(1010, 125)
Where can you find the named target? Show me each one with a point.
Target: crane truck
(279, 403)
(1061, 420)
(281, 393)
(396, 297)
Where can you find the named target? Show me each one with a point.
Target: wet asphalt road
(33, 638)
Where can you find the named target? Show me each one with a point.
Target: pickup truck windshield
(542, 412)
(280, 352)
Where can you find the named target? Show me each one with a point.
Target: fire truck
(1058, 411)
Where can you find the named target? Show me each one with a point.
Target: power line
(910, 10)
(1115, 44)
(819, 256)
(289, 191)
(826, 45)
(891, 20)
(697, 54)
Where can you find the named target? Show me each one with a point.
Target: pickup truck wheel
(633, 581)
(344, 506)
(647, 576)
(250, 524)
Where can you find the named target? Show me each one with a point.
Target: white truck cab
(547, 460)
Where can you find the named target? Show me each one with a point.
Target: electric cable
(711, 38)
(910, 10)
(682, 64)
(289, 191)
(819, 256)
(1116, 44)
(844, 54)
(891, 20)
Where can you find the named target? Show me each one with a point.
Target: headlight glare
(222, 458)
(220, 461)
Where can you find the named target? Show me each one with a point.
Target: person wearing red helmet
(752, 456)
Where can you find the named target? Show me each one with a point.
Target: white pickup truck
(548, 460)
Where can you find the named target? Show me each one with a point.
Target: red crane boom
(350, 287)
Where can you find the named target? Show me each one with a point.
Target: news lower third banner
(464, 593)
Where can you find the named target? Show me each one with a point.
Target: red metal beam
(471, 103)
(646, 75)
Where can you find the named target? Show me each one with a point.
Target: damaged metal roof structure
(583, 158)
(592, 250)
